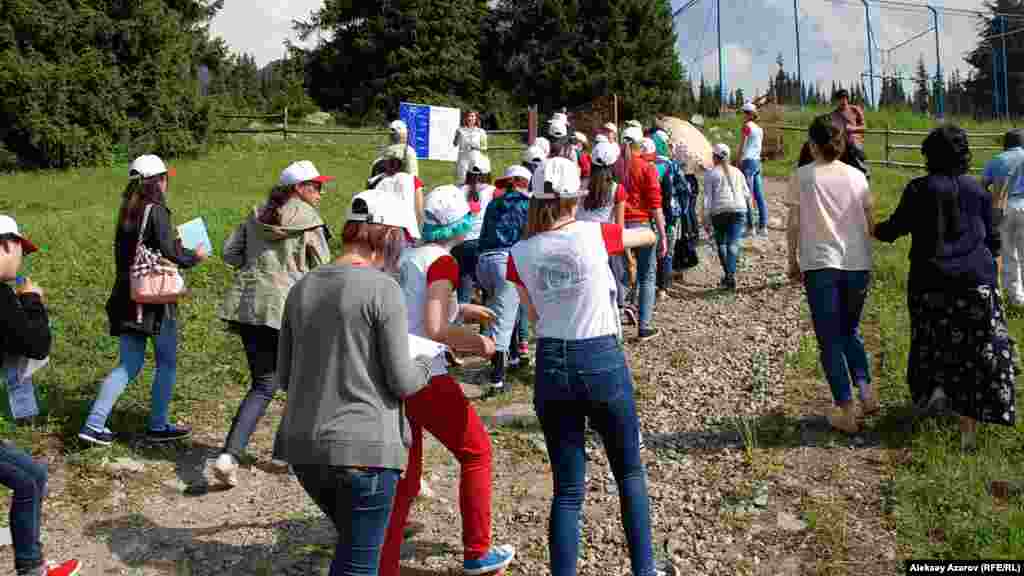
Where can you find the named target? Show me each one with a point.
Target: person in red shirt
(643, 204)
(584, 159)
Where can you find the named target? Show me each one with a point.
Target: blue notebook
(193, 233)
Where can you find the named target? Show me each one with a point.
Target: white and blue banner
(431, 130)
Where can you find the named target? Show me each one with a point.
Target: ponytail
(270, 214)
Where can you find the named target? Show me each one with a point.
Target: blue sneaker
(169, 433)
(93, 436)
(497, 559)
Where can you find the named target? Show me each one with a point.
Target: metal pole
(871, 57)
(939, 96)
(799, 68)
(721, 59)
(1006, 77)
(997, 108)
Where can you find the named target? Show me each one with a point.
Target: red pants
(443, 410)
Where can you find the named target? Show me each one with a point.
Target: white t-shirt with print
(833, 227)
(570, 283)
(418, 268)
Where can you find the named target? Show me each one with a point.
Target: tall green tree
(980, 85)
(922, 86)
(566, 53)
(377, 54)
(79, 77)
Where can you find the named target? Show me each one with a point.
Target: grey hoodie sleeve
(404, 376)
(234, 247)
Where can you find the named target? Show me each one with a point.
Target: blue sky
(753, 33)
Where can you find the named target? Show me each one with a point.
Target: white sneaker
(226, 470)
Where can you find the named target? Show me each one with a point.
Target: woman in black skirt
(961, 354)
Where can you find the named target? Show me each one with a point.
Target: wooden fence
(889, 147)
(281, 126)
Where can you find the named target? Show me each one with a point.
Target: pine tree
(921, 87)
(979, 85)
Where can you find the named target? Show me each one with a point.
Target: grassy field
(940, 499)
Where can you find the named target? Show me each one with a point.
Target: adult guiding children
(831, 215)
(344, 359)
(142, 219)
(469, 138)
(643, 204)
(961, 355)
(27, 334)
(271, 250)
(726, 199)
(751, 139)
(850, 119)
(1002, 179)
(562, 273)
(429, 279)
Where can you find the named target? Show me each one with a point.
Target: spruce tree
(922, 86)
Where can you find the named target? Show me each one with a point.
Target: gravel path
(744, 476)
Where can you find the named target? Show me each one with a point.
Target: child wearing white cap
(274, 247)
(343, 430)
(479, 194)
(429, 279)
(562, 274)
(725, 205)
(469, 138)
(27, 334)
(400, 148)
(143, 217)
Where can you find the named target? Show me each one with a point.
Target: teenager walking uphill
(960, 350)
(344, 358)
(562, 274)
(429, 279)
(143, 217)
(751, 140)
(271, 250)
(26, 333)
(726, 197)
(643, 205)
(831, 215)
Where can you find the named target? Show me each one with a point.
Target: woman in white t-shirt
(469, 138)
(479, 193)
(751, 139)
(561, 271)
(429, 277)
(831, 215)
(606, 202)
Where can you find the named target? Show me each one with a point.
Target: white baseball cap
(8, 227)
(560, 117)
(611, 127)
(444, 210)
(534, 154)
(749, 107)
(544, 144)
(563, 175)
(581, 138)
(384, 207)
(512, 172)
(302, 171)
(605, 153)
(697, 120)
(147, 166)
(634, 124)
(720, 151)
(558, 129)
(633, 134)
(479, 163)
(398, 126)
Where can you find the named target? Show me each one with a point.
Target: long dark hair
(829, 138)
(136, 195)
(270, 213)
(600, 187)
(474, 180)
(544, 212)
(948, 153)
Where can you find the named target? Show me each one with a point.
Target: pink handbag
(154, 279)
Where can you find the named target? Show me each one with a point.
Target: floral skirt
(959, 341)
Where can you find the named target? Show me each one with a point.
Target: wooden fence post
(887, 144)
(284, 130)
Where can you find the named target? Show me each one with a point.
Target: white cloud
(260, 27)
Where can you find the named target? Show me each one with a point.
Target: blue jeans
(523, 323)
(752, 170)
(359, 503)
(502, 297)
(466, 255)
(836, 299)
(27, 479)
(646, 274)
(728, 228)
(576, 381)
(133, 353)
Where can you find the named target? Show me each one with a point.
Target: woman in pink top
(561, 271)
(831, 215)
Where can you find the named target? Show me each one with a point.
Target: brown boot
(844, 418)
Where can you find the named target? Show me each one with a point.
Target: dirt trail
(744, 475)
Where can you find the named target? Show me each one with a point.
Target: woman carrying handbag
(142, 220)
